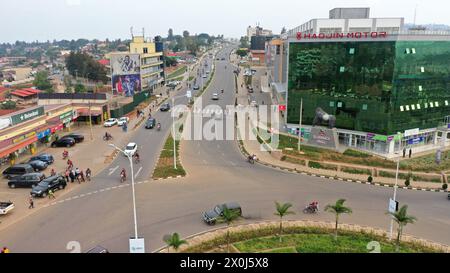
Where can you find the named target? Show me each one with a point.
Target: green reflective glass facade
(378, 87)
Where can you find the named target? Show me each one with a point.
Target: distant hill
(433, 27)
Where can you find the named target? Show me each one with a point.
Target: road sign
(137, 245)
(393, 205)
(189, 94)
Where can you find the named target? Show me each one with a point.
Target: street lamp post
(391, 228)
(173, 136)
(132, 187)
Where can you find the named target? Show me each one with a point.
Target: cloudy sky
(43, 20)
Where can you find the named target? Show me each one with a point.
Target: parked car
(26, 181)
(98, 249)
(150, 124)
(122, 121)
(223, 59)
(204, 76)
(17, 170)
(54, 183)
(165, 107)
(131, 149)
(212, 216)
(6, 207)
(110, 122)
(44, 157)
(77, 137)
(196, 87)
(64, 142)
(38, 165)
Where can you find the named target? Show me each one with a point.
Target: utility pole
(90, 121)
(300, 125)
(396, 186)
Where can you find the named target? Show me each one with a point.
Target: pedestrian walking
(88, 174)
(5, 250)
(52, 172)
(66, 175)
(410, 153)
(82, 176)
(77, 175)
(72, 176)
(70, 163)
(404, 152)
(31, 202)
(51, 195)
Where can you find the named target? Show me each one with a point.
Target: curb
(336, 178)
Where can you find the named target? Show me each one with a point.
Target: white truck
(5, 207)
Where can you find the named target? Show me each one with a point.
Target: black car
(165, 107)
(77, 137)
(17, 170)
(212, 216)
(26, 181)
(150, 124)
(48, 158)
(38, 165)
(54, 183)
(223, 59)
(64, 142)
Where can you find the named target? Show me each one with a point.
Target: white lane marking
(137, 173)
(112, 170)
(233, 164)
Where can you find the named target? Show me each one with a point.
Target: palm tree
(338, 209)
(282, 210)
(229, 216)
(402, 218)
(174, 241)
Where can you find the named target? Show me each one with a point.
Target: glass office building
(376, 88)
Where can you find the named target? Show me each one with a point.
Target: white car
(131, 149)
(215, 96)
(122, 121)
(110, 122)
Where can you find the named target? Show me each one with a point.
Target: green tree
(9, 104)
(174, 241)
(338, 209)
(186, 34)
(402, 218)
(281, 211)
(80, 88)
(229, 216)
(42, 82)
(170, 35)
(244, 42)
(242, 52)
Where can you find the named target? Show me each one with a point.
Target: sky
(42, 20)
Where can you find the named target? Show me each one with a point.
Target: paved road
(217, 173)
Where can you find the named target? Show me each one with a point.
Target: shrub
(444, 187)
(356, 171)
(388, 174)
(317, 165)
(283, 158)
(354, 153)
(407, 182)
(370, 179)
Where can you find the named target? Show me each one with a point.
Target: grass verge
(165, 167)
(305, 240)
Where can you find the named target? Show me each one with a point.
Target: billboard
(125, 64)
(127, 85)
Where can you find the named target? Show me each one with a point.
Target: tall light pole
(300, 125)
(132, 187)
(396, 186)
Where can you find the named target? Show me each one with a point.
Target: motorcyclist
(65, 154)
(123, 175)
(107, 136)
(222, 90)
(136, 157)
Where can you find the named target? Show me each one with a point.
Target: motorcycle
(122, 178)
(65, 155)
(311, 209)
(251, 159)
(107, 138)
